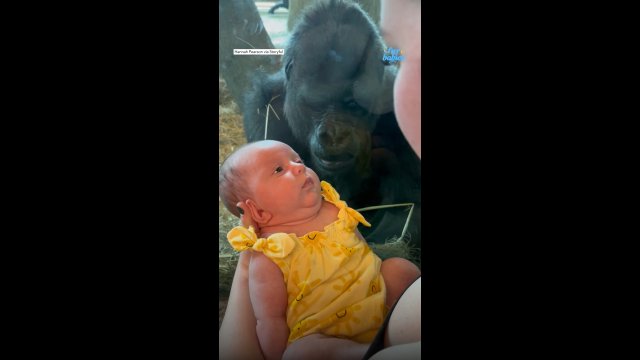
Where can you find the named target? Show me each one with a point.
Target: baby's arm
(269, 299)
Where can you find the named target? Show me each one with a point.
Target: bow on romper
(333, 279)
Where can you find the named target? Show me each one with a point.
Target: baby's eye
(299, 161)
(278, 169)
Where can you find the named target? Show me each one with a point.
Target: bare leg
(237, 337)
(398, 274)
(322, 347)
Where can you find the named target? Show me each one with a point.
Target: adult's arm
(237, 337)
(405, 322)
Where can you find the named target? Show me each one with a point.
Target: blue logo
(393, 55)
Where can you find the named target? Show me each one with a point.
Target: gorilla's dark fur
(332, 101)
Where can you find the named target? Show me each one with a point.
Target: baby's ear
(258, 215)
(245, 216)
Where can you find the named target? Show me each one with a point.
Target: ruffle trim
(349, 216)
(277, 245)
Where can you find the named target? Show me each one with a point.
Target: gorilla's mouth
(334, 162)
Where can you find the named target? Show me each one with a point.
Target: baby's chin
(314, 201)
(302, 215)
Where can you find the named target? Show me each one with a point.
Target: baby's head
(271, 180)
(231, 181)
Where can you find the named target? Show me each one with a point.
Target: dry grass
(231, 137)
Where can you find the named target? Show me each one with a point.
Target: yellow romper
(332, 277)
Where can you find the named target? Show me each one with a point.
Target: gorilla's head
(336, 86)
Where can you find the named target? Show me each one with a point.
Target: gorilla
(332, 102)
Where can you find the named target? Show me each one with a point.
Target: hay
(228, 258)
(397, 247)
(231, 137)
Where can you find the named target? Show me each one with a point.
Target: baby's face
(279, 182)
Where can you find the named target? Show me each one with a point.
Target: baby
(311, 271)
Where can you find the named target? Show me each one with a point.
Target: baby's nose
(298, 168)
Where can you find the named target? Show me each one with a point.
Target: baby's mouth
(308, 182)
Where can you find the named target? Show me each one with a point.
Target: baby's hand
(245, 218)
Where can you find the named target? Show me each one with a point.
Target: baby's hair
(231, 183)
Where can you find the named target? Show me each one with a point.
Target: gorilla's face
(336, 87)
(334, 124)
(341, 138)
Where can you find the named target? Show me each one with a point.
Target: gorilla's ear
(373, 87)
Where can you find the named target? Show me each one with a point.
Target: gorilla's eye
(351, 103)
(278, 169)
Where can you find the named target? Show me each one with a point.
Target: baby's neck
(327, 214)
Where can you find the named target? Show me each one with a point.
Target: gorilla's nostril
(326, 133)
(325, 138)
